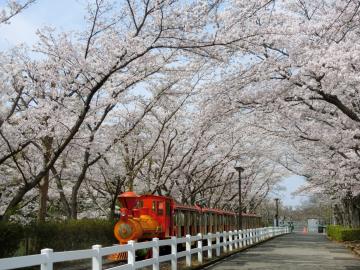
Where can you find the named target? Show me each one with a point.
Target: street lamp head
(239, 169)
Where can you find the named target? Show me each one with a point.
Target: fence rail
(225, 242)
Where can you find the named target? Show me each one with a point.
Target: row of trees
(120, 106)
(165, 96)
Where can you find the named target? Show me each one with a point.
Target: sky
(64, 15)
(68, 15)
(290, 185)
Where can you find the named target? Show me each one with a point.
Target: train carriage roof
(191, 208)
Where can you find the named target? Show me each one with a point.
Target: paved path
(293, 251)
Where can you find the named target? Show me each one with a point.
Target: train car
(143, 217)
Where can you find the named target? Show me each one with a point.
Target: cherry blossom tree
(61, 103)
(12, 8)
(302, 81)
(166, 96)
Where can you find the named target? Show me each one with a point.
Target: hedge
(10, 238)
(341, 233)
(71, 235)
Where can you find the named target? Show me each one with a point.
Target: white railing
(230, 241)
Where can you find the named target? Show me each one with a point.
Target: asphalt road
(293, 251)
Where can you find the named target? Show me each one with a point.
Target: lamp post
(239, 170)
(277, 212)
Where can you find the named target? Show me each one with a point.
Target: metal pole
(239, 169)
(277, 212)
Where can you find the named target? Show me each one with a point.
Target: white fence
(230, 241)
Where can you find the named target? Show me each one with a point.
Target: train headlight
(124, 214)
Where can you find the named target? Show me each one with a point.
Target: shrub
(341, 233)
(10, 238)
(70, 235)
(350, 234)
(60, 236)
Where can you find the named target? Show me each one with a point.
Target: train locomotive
(143, 217)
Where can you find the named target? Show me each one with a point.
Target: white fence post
(156, 253)
(236, 239)
(131, 254)
(251, 236)
(225, 241)
(230, 241)
(209, 243)
(49, 264)
(259, 234)
(174, 253)
(246, 236)
(200, 246)
(217, 244)
(97, 259)
(240, 238)
(188, 250)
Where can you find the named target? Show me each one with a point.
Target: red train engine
(144, 217)
(147, 216)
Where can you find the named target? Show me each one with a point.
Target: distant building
(313, 224)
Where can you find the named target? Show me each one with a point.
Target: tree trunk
(355, 212)
(76, 187)
(119, 183)
(351, 211)
(63, 200)
(346, 211)
(338, 217)
(44, 183)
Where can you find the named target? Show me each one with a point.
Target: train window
(140, 204)
(187, 218)
(160, 207)
(168, 212)
(153, 208)
(179, 218)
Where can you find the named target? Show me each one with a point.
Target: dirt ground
(354, 246)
